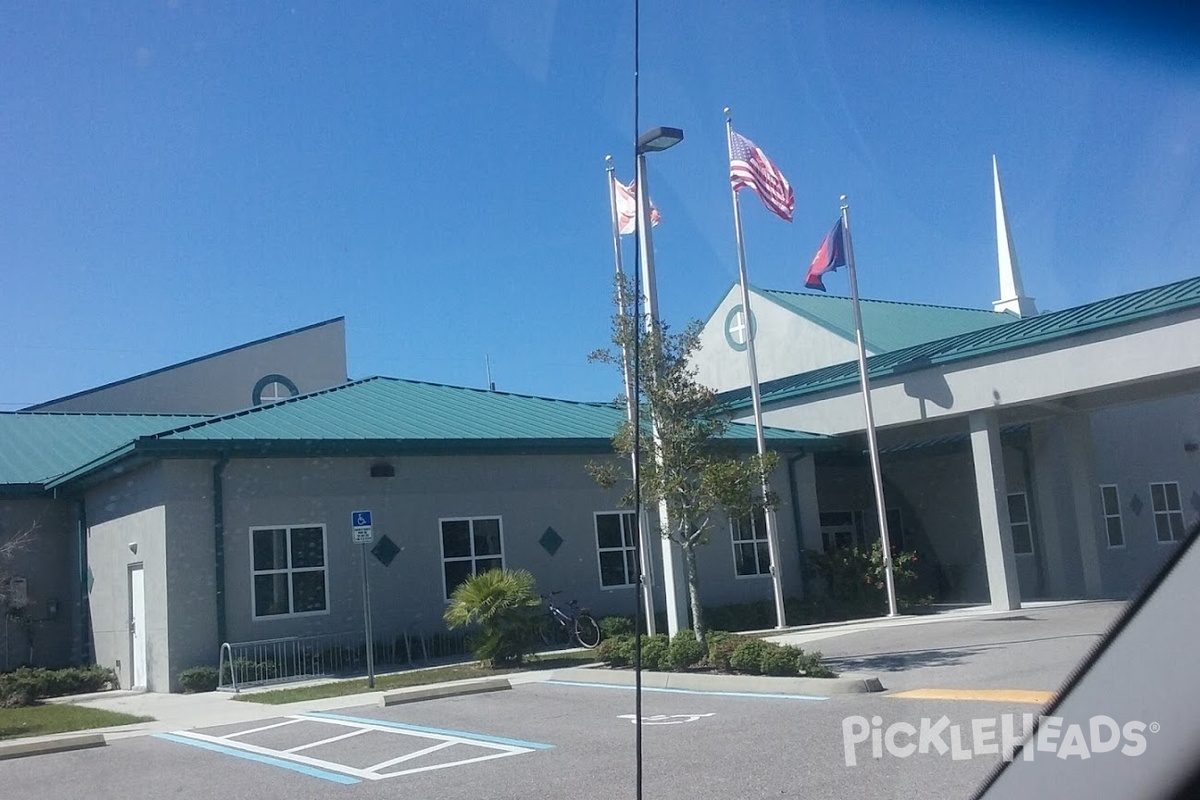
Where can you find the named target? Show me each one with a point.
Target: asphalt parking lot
(537, 740)
(573, 738)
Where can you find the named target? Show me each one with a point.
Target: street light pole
(653, 141)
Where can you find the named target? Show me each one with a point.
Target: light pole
(655, 141)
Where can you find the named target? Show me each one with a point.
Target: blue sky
(180, 177)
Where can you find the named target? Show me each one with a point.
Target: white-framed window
(1019, 526)
(470, 546)
(838, 530)
(751, 551)
(1168, 512)
(616, 538)
(288, 571)
(1110, 503)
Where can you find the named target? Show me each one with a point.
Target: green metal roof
(377, 416)
(1100, 315)
(887, 325)
(393, 409)
(36, 447)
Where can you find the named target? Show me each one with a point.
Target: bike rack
(225, 648)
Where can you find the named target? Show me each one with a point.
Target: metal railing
(297, 658)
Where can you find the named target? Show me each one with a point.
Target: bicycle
(573, 624)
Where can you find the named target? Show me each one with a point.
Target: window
(289, 571)
(1018, 524)
(1110, 499)
(838, 530)
(1168, 513)
(470, 545)
(616, 534)
(272, 388)
(751, 552)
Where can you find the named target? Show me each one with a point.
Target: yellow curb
(990, 695)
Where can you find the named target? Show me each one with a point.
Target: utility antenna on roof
(487, 360)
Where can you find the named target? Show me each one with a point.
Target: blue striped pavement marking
(304, 769)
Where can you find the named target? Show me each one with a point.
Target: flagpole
(632, 403)
(872, 444)
(756, 395)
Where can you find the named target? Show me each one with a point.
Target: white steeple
(1012, 293)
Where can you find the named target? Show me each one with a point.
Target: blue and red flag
(830, 256)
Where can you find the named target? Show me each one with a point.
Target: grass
(59, 718)
(421, 677)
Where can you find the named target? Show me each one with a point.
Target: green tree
(506, 609)
(689, 467)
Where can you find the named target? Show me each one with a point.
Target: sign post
(360, 524)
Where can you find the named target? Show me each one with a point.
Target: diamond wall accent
(385, 550)
(550, 541)
(1136, 504)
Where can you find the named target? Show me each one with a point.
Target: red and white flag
(627, 208)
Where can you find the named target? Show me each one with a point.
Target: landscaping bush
(748, 656)
(721, 647)
(655, 651)
(247, 670)
(506, 609)
(27, 685)
(854, 578)
(777, 660)
(612, 627)
(809, 665)
(684, 651)
(199, 679)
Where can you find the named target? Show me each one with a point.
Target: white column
(1078, 429)
(991, 489)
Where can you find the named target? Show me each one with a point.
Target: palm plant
(506, 609)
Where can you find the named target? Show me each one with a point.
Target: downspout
(797, 525)
(83, 613)
(219, 542)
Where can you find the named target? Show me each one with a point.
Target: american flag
(749, 166)
(627, 208)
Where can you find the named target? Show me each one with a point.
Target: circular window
(272, 388)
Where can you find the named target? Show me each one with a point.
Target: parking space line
(238, 752)
(274, 755)
(288, 721)
(760, 695)
(465, 736)
(337, 738)
(391, 762)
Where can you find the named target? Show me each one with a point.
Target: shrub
(684, 651)
(199, 679)
(247, 670)
(612, 627)
(507, 611)
(27, 685)
(748, 656)
(809, 665)
(721, 647)
(655, 651)
(854, 578)
(777, 660)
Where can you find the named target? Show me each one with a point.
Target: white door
(137, 625)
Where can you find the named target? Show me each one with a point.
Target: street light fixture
(655, 141)
(658, 139)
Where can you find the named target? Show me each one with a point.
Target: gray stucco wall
(312, 359)
(1135, 446)
(123, 513)
(42, 632)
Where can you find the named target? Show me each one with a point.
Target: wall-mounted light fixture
(383, 471)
